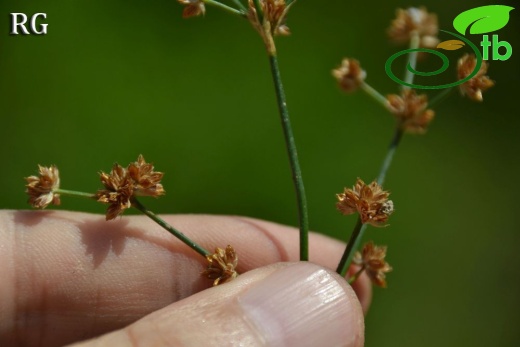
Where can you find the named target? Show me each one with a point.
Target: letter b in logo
(496, 46)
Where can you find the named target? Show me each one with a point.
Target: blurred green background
(113, 79)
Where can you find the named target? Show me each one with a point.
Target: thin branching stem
(374, 94)
(355, 276)
(359, 229)
(224, 7)
(439, 97)
(412, 58)
(351, 247)
(74, 193)
(170, 229)
(240, 5)
(259, 12)
(293, 159)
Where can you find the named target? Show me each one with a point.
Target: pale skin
(68, 277)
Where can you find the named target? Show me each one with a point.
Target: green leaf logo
(482, 20)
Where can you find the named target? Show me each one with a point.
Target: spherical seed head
(41, 188)
(118, 191)
(138, 179)
(370, 201)
(373, 260)
(349, 75)
(414, 20)
(222, 265)
(479, 83)
(411, 111)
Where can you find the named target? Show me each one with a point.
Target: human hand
(68, 276)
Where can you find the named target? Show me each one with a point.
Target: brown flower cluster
(138, 179)
(349, 75)
(222, 265)
(274, 14)
(411, 111)
(192, 8)
(370, 201)
(372, 260)
(41, 188)
(477, 84)
(415, 21)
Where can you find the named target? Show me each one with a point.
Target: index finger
(70, 276)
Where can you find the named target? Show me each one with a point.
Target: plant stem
(74, 193)
(293, 159)
(360, 228)
(349, 250)
(259, 12)
(374, 94)
(170, 229)
(412, 58)
(398, 135)
(356, 275)
(224, 7)
(240, 5)
(439, 97)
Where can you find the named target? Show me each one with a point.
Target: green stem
(224, 7)
(240, 5)
(349, 250)
(293, 159)
(355, 276)
(412, 58)
(439, 97)
(259, 12)
(374, 94)
(398, 135)
(169, 228)
(74, 193)
(359, 229)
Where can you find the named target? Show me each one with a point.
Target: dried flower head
(41, 188)
(478, 83)
(415, 21)
(222, 265)
(274, 14)
(372, 259)
(349, 75)
(370, 201)
(193, 8)
(138, 179)
(411, 111)
(118, 191)
(146, 181)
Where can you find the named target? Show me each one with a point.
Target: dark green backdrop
(113, 79)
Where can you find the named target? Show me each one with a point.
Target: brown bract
(372, 259)
(274, 18)
(41, 188)
(349, 75)
(415, 20)
(411, 111)
(222, 265)
(370, 201)
(146, 181)
(192, 8)
(477, 84)
(118, 193)
(138, 179)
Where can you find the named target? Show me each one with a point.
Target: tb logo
(19, 20)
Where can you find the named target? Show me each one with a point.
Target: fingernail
(303, 305)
